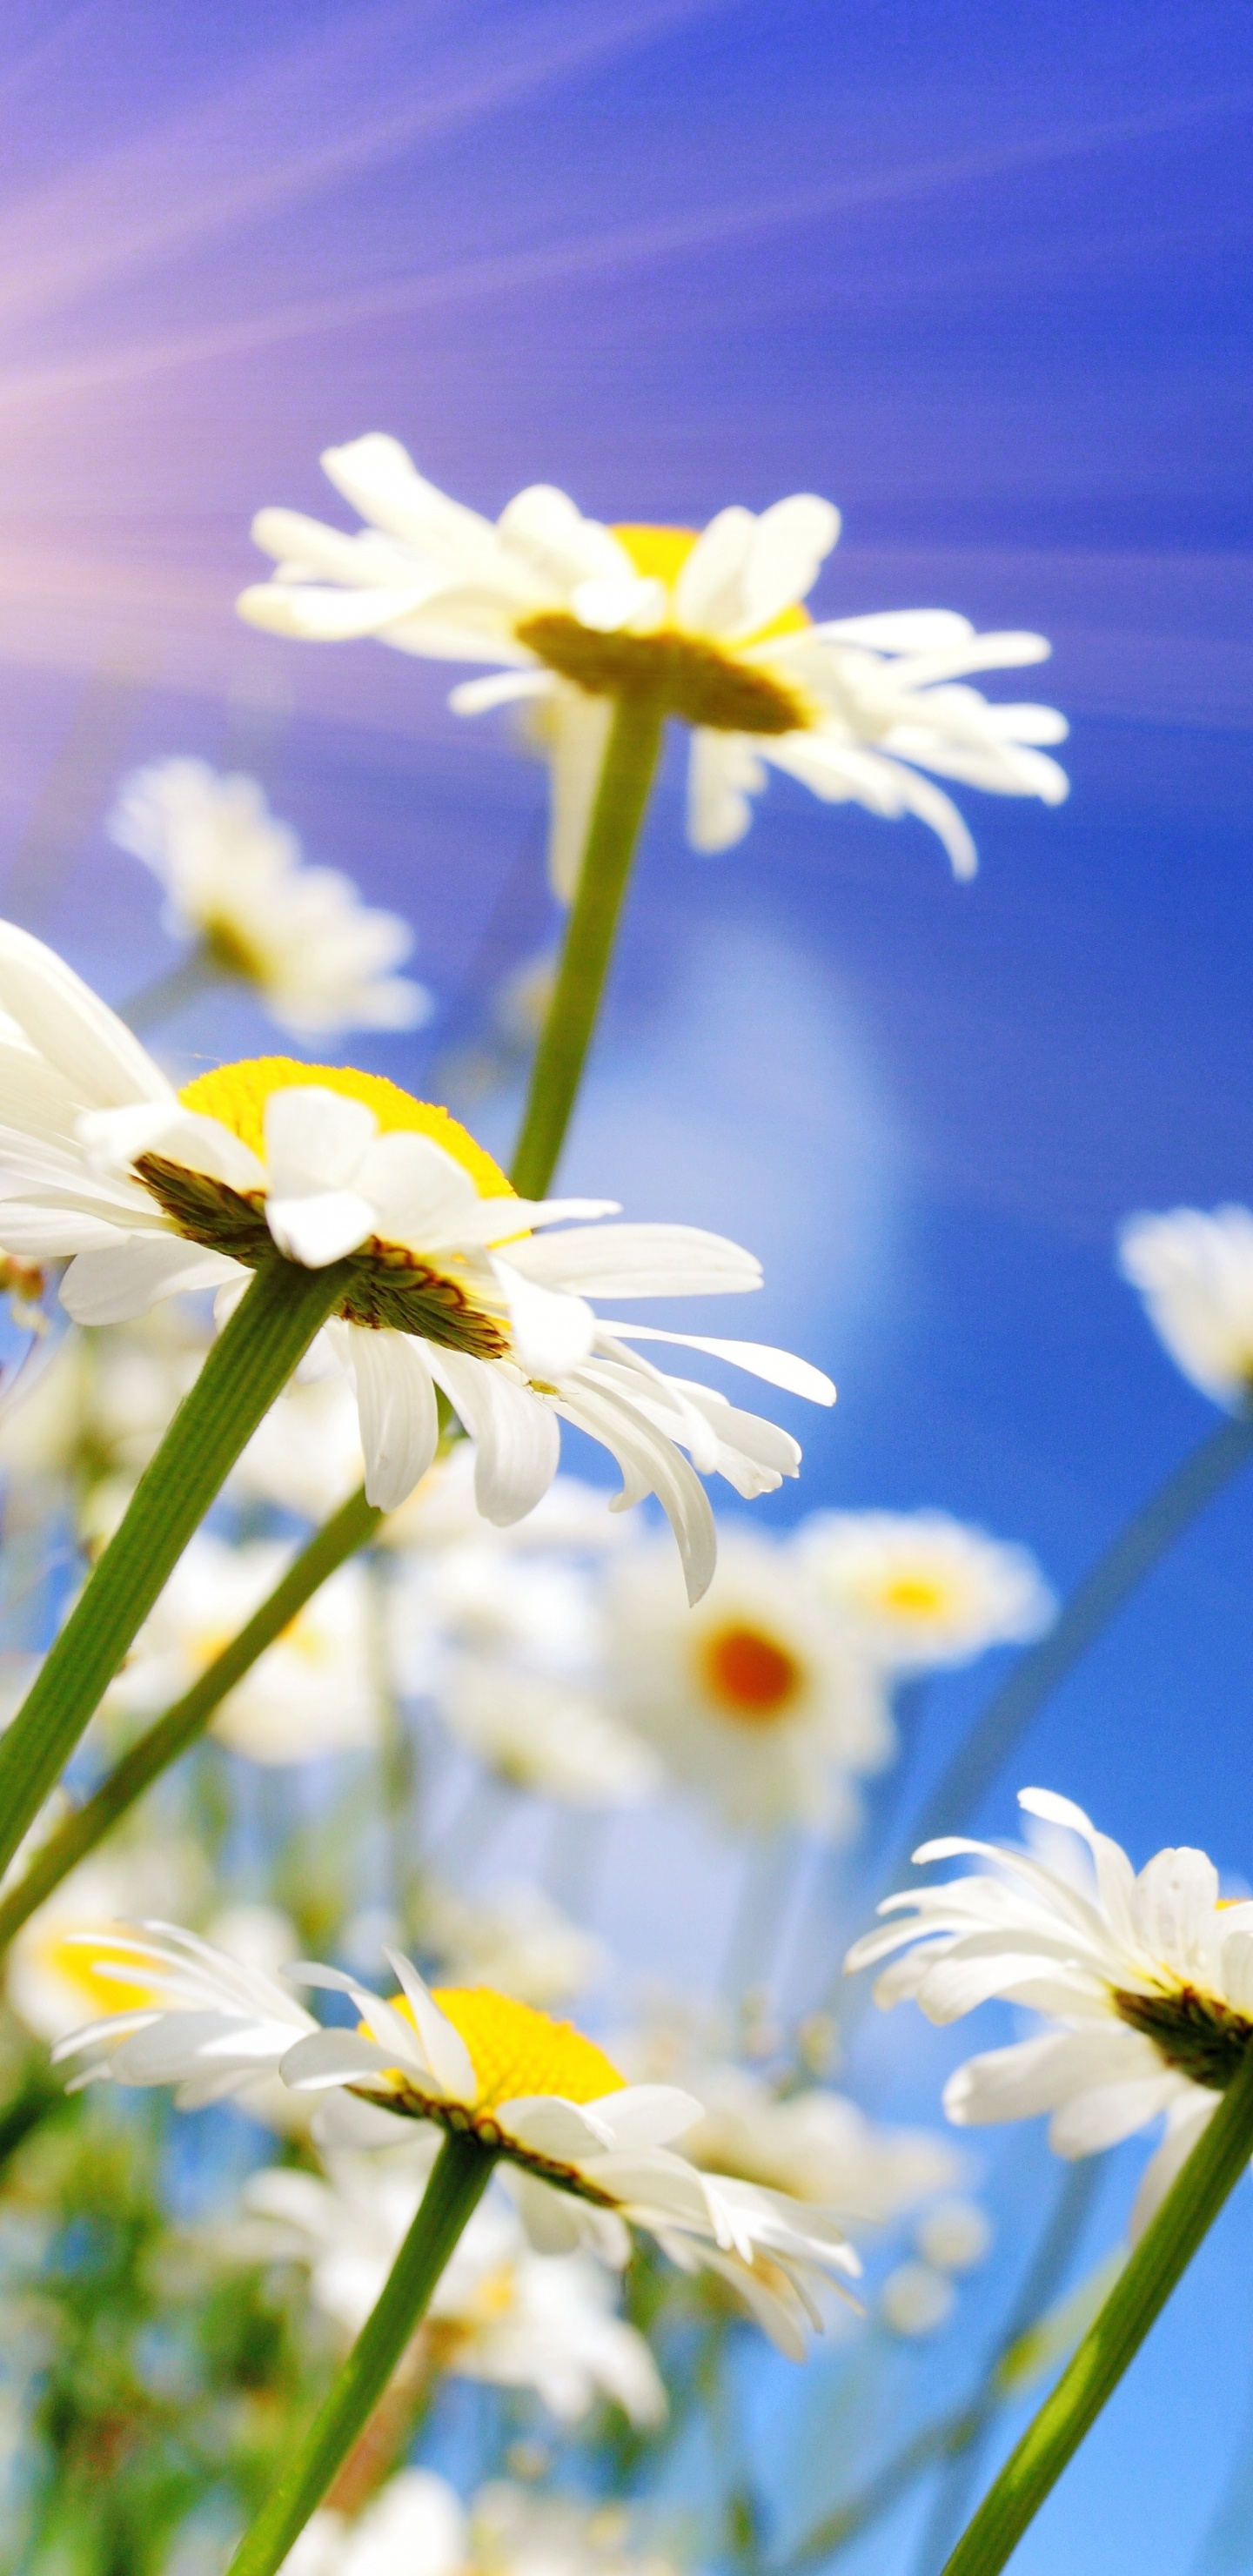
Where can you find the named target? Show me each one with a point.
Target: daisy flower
(586, 2153)
(710, 626)
(758, 1702)
(416, 2524)
(1146, 1981)
(456, 1284)
(916, 1589)
(501, 2314)
(1195, 1274)
(310, 1693)
(234, 880)
(514, 1939)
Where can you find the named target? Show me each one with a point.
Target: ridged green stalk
(1163, 2254)
(459, 2177)
(630, 765)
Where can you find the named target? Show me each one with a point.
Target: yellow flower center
(80, 1967)
(449, 1300)
(236, 1094)
(753, 1678)
(917, 1596)
(515, 2050)
(702, 679)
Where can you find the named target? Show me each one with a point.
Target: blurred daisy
(53, 1982)
(155, 1191)
(315, 955)
(1146, 1980)
(415, 2526)
(585, 2152)
(757, 1701)
(515, 1940)
(441, 1513)
(501, 2313)
(545, 1736)
(1195, 1274)
(915, 2300)
(916, 1589)
(710, 626)
(817, 2145)
(310, 1693)
(306, 1456)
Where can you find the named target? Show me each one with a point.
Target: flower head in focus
(586, 2154)
(312, 1692)
(1147, 1981)
(317, 957)
(710, 626)
(918, 1589)
(758, 1702)
(501, 2313)
(455, 1283)
(1195, 1274)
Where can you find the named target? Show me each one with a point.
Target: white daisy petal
(396, 1406)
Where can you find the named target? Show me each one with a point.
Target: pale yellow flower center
(916, 1595)
(515, 2050)
(751, 1675)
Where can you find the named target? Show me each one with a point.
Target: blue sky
(982, 276)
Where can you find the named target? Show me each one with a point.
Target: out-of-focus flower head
(317, 957)
(501, 2313)
(918, 1589)
(417, 2526)
(312, 1692)
(758, 1701)
(1145, 1981)
(515, 1940)
(546, 1736)
(455, 1283)
(1195, 1274)
(585, 2153)
(709, 625)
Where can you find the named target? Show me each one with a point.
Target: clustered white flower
(587, 2156)
(458, 1285)
(235, 881)
(1195, 1274)
(578, 613)
(1145, 1982)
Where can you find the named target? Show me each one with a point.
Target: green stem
(953, 2435)
(173, 989)
(246, 1369)
(458, 2180)
(1137, 1548)
(350, 1528)
(1163, 2254)
(630, 764)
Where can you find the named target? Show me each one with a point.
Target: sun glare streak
(87, 248)
(624, 248)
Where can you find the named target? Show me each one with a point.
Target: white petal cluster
(759, 1701)
(418, 2526)
(81, 1103)
(1109, 1957)
(584, 2174)
(918, 1589)
(312, 1692)
(319, 959)
(501, 2313)
(1195, 1274)
(879, 699)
